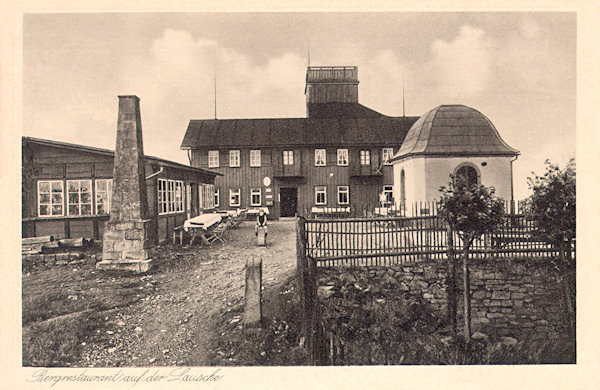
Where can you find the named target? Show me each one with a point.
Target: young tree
(552, 206)
(471, 210)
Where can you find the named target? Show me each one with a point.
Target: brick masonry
(126, 243)
(516, 298)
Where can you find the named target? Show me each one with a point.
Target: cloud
(462, 67)
(532, 61)
(176, 83)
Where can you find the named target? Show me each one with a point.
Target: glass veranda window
(103, 195)
(79, 197)
(50, 198)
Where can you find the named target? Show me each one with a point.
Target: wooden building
(67, 189)
(335, 158)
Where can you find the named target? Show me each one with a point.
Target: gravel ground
(175, 322)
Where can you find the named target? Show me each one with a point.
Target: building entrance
(288, 201)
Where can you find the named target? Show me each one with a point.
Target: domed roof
(453, 130)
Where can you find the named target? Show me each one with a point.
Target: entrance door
(288, 201)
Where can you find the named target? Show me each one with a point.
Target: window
(255, 158)
(288, 157)
(343, 193)
(342, 157)
(388, 193)
(255, 197)
(386, 154)
(467, 174)
(234, 197)
(234, 158)
(79, 197)
(103, 195)
(365, 157)
(188, 197)
(320, 195)
(320, 158)
(213, 158)
(403, 187)
(201, 197)
(217, 198)
(206, 196)
(162, 196)
(50, 198)
(170, 196)
(178, 206)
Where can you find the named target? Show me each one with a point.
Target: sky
(518, 69)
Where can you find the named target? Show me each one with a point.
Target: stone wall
(518, 298)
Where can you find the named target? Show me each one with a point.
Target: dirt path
(174, 323)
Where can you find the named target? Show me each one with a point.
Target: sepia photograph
(208, 190)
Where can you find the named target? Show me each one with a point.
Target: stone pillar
(253, 293)
(125, 244)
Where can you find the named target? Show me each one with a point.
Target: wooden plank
(36, 240)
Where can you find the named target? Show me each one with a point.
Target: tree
(552, 207)
(471, 210)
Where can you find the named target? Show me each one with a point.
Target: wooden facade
(365, 182)
(335, 120)
(45, 161)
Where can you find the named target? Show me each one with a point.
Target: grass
(63, 305)
(276, 343)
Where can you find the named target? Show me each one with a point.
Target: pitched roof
(227, 133)
(456, 130)
(340, 110)
(107, 152)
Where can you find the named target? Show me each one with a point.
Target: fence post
(306, 282)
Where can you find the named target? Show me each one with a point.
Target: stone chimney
(125, 244)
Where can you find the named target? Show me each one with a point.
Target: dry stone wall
(518, 298)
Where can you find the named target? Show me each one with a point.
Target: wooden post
(451, 280)
(314, 339)
(253, 293)
(302, 274)
(466, 292)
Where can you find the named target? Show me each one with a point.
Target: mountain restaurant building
(335, 158)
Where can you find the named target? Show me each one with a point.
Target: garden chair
(216, 234)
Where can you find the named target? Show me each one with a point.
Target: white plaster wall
(496, 173)
(414, 173)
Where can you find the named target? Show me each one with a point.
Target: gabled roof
(348, 131)
(454, 130)
(107, 152)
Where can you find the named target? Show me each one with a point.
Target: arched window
(467, 174)
(402, 187)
